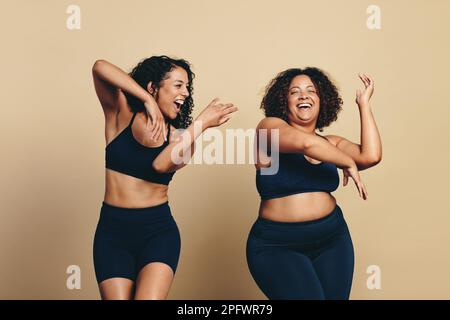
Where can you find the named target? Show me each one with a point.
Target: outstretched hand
(217, 113)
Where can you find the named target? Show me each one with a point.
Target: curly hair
(155, 69)
(275, 99)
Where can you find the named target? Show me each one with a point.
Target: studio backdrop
(52, 135)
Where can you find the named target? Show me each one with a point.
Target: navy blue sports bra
(297, 175)
(126, 155)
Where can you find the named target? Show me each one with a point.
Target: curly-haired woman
(137, 241)
(300, 246)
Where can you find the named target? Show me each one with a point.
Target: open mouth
(178, 103)
(304, 105)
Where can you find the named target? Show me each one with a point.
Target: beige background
(52, 145)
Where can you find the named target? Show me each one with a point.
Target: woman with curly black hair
(300, 246)
(137, 241)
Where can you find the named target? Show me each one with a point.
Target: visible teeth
(304, 105)
(180, 102)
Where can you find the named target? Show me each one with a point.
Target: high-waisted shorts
(127, 239)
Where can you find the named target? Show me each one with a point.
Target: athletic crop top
(126, 155)
(297, 175)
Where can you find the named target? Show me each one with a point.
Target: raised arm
(292, 140)
(369, 152)
(110, 84)
(215, 114)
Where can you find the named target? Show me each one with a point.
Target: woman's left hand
(363, 95)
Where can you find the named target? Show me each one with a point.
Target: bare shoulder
(271, 123)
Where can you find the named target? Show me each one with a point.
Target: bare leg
(116, 289)
(154, 281)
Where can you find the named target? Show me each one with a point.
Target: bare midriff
(125, 191)
(298, 207)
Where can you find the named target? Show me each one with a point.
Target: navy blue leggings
(127, 239)
(302, 260)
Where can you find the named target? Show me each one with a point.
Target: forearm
(370, 137)
(179, 152)
(318, 148)
(116, 77)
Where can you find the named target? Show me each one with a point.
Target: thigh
(334, 267)
(154, 281)
(157, 263)
(116, 289)
(283, 273)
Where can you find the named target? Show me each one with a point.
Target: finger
(365, 193)
(158, 132)
(359, 189)
(227, 105)
(371, 81)
(230, 110)
(363, 190)
(148, 117)
(159, 129)
(214, 101)
(151, 118)
(367, 79)
(366, 83)
(345, 180)
(360, 77)
(165, 130)
(148, 121)
(155, 129)
(225, 119)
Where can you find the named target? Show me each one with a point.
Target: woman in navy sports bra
(137, 241)
(300, 246)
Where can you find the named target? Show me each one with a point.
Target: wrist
(365, 104)
(351, 163)
(149, 100)
(200, 121)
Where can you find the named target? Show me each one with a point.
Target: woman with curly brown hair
(300, 246)
(137, 241)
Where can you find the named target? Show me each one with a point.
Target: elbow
(161, 167)
(158, 167)
(373, 161)
(97, 65)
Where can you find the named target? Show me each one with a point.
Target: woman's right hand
(155, 119)
(353, 173)
(216, 113)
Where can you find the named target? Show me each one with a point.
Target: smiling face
(303, 101)
(172, 92)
